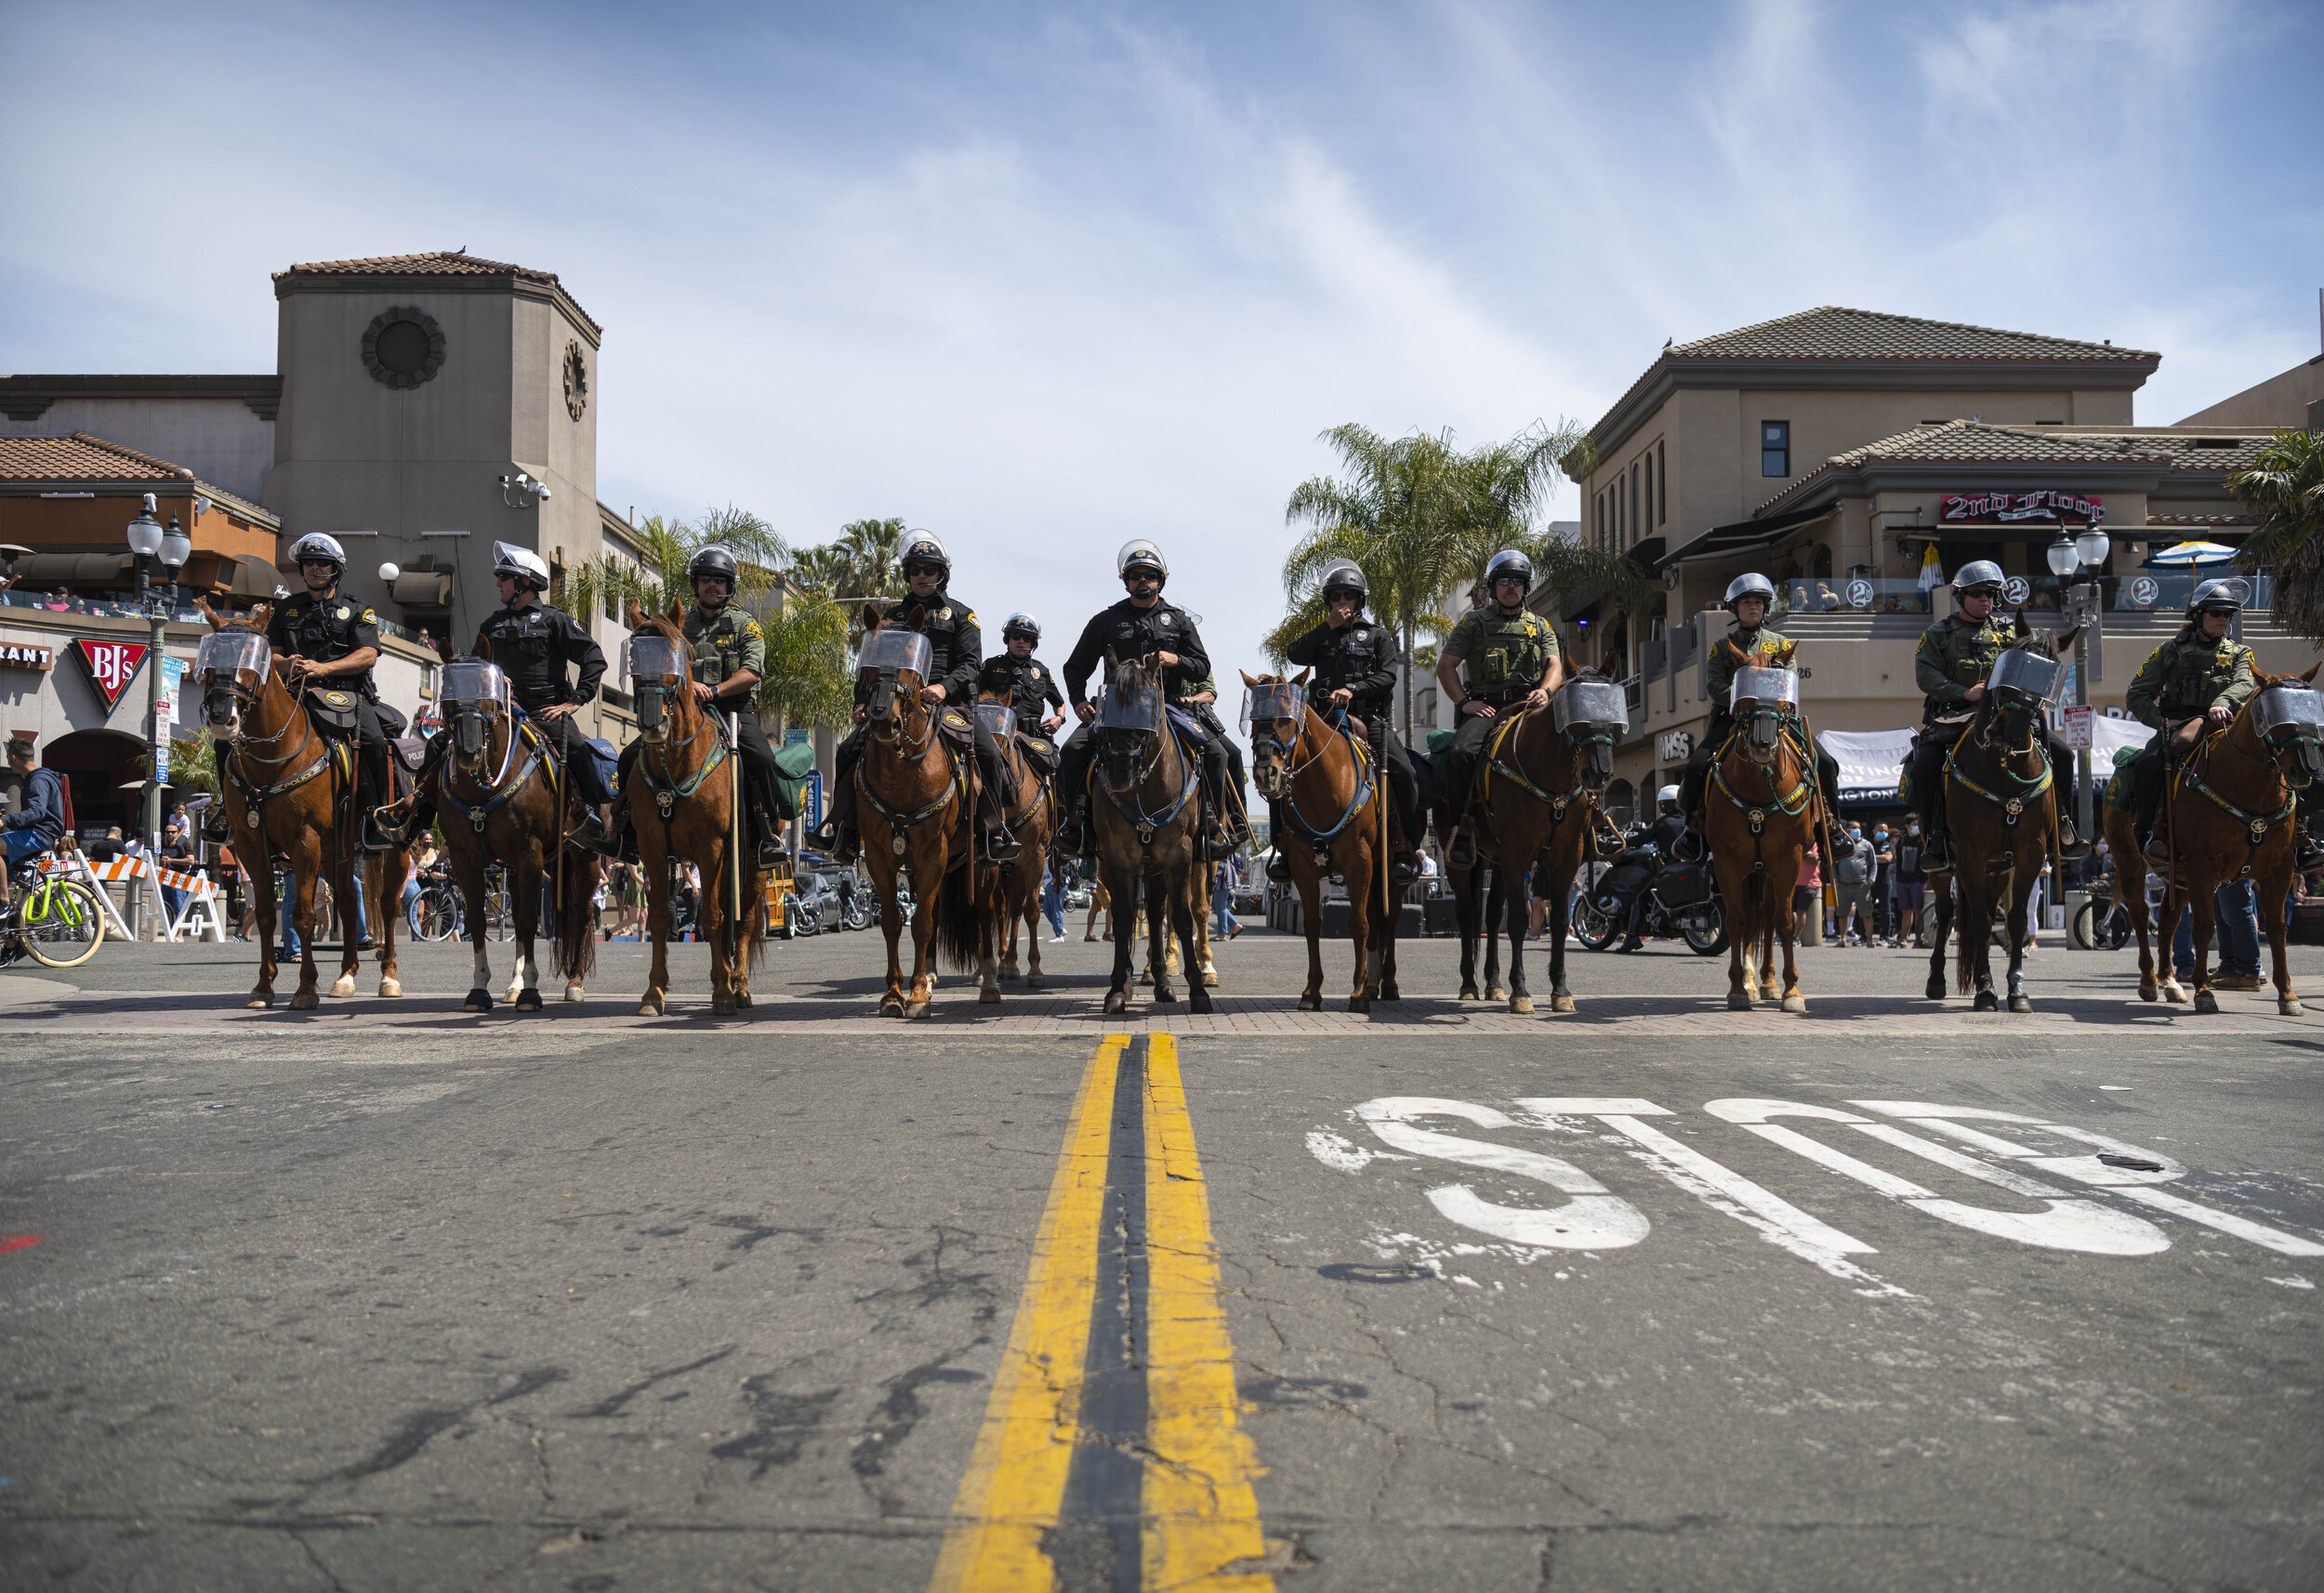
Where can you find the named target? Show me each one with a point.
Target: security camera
(542, 488)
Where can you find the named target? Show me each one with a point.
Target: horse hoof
(1116, 1002)
(1391, 992)
(2149, 992)
(2021, 1003)
(391, 987)
(1987, 1002)
(1037, 981)
(1520, 1003)
(1165, 998)
(260, 1000)
(1770, 992)
(988, 996)
(1739, 1001)
(2173, 991)
(1795, 1002)
(1311, 1004)
(648, 1006)
(573, 992)
(305, 1001)
(742, 1000)
(1561, 1004)
(918, 1009)
(1198, 1000)
(2290, 1006)
(1209, 977)
(891, 1008)
(1495, 993)
(1359, 1004)
(1468, 993)
(720, 1007)
(1145, 978)
(2205, 1001)
(1936, 992)
(343, 985)
(1008, 973)
(529, 999)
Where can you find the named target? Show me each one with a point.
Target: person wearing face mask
(1852, 877)
(1881, 895)
(1912, 880)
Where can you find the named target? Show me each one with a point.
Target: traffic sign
(2077, 727)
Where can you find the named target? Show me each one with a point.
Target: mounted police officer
(531, 644)
(2194, 682)
(957, 647)
(1354, 665)
(1141, 626)
(1748, 599)
(1512, 660)
(323, 639)
(1955, 657)
(1016, 678)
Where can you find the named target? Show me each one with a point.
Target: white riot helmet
(1666, 798)
(1978, 574)
(317, 545)
(1752, 585)
(924, 547)
(519, 564)
(1139, 554)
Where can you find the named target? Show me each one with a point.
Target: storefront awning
(42, 568)
(1726, 541)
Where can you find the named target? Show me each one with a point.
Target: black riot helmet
(1024, 625)
(1343, 575)
(714, 564)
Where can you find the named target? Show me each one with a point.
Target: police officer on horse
(325, 640)
(1750, 645)
(1013, 676)
(957, 647)
(531, 644)
(1354, 665)
(1955, 657)
(1140, 627)
(2192, 684)
(1513, 661)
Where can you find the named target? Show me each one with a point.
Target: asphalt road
(1646, 1297)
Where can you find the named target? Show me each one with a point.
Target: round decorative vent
(402, 347)
(576, 380)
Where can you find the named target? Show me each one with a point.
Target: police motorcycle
(1680, 897)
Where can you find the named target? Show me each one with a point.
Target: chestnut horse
(916, 810)
(2130, 894)
(1535, 800)
(2233, 815)
(1760, 816)
(2002, 823)
(1332, 804)
(682, 795)
(502, 797)
(1032, 806)
(1148, 823)
(292, 791)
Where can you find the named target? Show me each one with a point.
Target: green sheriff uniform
(1503, 659)
(1955, 655)
(2183, 679)
(723, 643)
(1761, 647)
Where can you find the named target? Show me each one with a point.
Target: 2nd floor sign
(111, 665)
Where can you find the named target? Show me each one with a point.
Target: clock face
(577, 381)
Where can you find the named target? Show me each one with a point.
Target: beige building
(1832, 451)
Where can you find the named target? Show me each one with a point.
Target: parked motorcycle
(1681, 900)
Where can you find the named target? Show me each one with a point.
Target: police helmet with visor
(924, 547)
(1139, 554)
(1509, 564)
(519, 564)
(1752, 585)
(1978, 575)
(318, 547)
(1024, 625)
(2222, 595)
(714, 564)
(1343, 575)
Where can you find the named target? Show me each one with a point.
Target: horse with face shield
(1763, 813)
(1147, 817)
(289, 792)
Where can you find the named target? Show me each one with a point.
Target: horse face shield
(1274, 712)
(2290, 721)
(221, 662)
(2022, 683)
(1593, 714)
(898, 660)
(473, 692)
(653, 666)
(1763, 699)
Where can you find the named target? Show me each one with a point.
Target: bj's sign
(111, 665)
(2009, 509)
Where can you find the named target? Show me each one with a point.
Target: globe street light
(2068, 557)
(170, 547)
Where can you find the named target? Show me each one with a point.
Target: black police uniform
(326, 630)
(956, 650)
(1133, 632)
(1025, 684)
(533, 645)
(1360, 656)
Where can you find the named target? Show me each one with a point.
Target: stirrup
(2149, 852)
(2071, 847)
(1461, 851)
(1278, 867)
(1605, 845)
(377, 837)
(1403, 868)
(1002, 844)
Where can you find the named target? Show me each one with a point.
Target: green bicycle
(57, 922)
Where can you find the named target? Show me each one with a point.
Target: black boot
(1461, 851)
(1278, 867)
(1690, 844)
(2071, 847)
(771, 852)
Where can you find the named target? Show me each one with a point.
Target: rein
(2256, 826)
(2026, 787)
(498, 791)
(1148, 824)
(898, 821)
(1364, 778)
(255, 796)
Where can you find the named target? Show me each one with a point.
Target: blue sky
(1044, 278)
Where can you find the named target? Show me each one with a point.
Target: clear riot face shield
(2290, 721)
(1137, 709)
(651, 667)
(1762, 698)
(474, 694)
(220, 664)
(999, 720)
(887, 654)
(2026, 676)
(1594, 714)
(1264, 703)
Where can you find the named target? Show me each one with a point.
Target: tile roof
(80, 457)
(435, 263)
(1981, 443)
(1829, 331)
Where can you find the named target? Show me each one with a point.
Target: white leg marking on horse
(484, 972)
(1590, 1219)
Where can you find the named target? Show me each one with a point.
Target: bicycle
(55, 921)
(2099, 925)
(436, 912)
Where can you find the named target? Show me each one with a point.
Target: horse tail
(577, 922)
(755, 920)
(1966, 936)
(956, 938)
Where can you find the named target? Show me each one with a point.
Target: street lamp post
(2068, 555)
(153, 545)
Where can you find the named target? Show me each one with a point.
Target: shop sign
(16, 656)
(2009, 508)
(111, 665)
(1674, 746)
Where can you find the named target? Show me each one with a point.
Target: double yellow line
(1197, 1520)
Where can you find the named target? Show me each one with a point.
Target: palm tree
(1421, 518)
(2285, 487)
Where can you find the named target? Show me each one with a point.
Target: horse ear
(2311, 674)
(262, 615)
(2065, 638)
(1246, 676)
(484, 645)
(870, 616)
(677, 615)
(2024, 630)
(637, 615)
(918, 617)
(203, 603)
(1300, 679)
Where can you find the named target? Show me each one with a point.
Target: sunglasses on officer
(1142, 578)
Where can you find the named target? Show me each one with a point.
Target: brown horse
(683, 794)
(2232, 816)
(1478, 914)
(916, 810)
(503, 798)
(1147, 827)
(1032, 815)
(1760, 815)
(1534, 804)
(1333, 805)
(2002, 823)
(2130, 894)
(291, 791)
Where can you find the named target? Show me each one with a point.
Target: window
(1663, 469)
(1637, 522)
(1650, 492)
(1601, 521)
(1775, 448)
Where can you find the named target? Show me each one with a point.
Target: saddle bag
(1189, 728)
(1682, 884)
(605, 760)
(954, 726)
(332, 710)
(794, 765)
(1041, 753)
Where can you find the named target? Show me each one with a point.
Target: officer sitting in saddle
(1512, 662)
(1354, 665)
(1016, 678)
(957, 646)
(531, 643)
(1954, 658)
(729, 657)
(1140, 627)
(325, 640)
(1200, 698)
(2192, 684)
(1748, 599)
